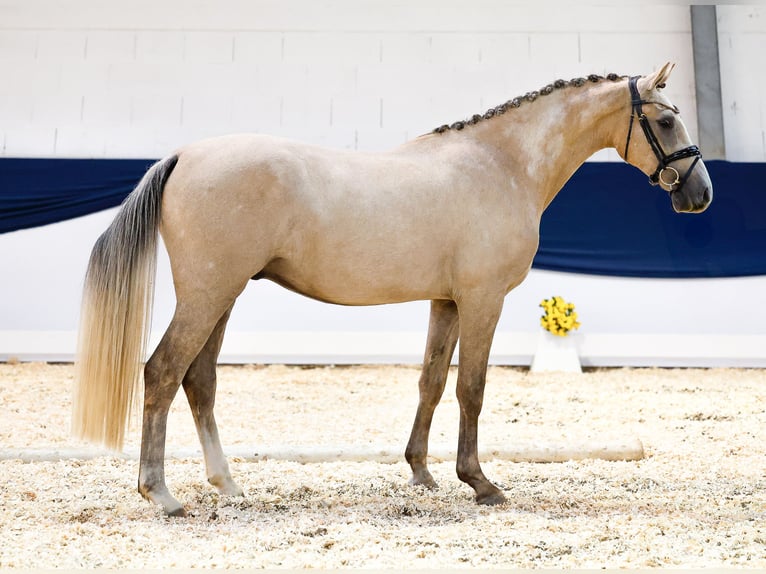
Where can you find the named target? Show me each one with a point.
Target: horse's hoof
(430, 485)
(227, 487)
(236, 491)
(492, 498)
(424, 480)
(162, 497)
(179, 512)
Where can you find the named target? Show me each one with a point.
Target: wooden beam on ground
(539, 451)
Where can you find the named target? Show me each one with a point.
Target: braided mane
(528, 97)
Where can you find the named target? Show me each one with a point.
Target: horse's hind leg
(440, 346)
(199, 385)
(192, 324)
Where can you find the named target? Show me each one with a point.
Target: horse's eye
(665, 123)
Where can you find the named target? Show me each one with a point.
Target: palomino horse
(451, 217)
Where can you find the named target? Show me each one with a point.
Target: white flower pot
(556, 354)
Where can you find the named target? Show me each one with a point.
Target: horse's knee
(471, 400)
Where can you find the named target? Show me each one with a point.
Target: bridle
(663, 159)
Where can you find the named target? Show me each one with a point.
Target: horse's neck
(545, 141)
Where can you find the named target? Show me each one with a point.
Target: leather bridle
(663, 159)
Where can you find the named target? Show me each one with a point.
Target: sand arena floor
(697, 498)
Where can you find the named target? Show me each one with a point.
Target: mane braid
(528, 97)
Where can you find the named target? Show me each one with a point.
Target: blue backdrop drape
(36, 192)
(607, 220)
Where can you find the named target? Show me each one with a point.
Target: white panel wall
(140, 78)
(742, 44)
(85, 78)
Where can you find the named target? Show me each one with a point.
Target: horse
(451, 216)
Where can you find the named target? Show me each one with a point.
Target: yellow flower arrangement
(559, 317)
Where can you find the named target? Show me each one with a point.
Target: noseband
(672, 177)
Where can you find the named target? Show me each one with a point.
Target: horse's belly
(355, 297)
(368, 283)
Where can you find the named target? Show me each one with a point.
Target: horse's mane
(528, 97)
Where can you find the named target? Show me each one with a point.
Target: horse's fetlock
(465, 476)
(144, 491)
(216, 480)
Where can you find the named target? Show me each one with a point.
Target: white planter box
(556, 353)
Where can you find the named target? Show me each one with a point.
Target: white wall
(95, 79)
(136, 79)
(741, 45)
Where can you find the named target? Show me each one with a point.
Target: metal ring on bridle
(669, 184)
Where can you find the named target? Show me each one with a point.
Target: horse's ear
(657, 79)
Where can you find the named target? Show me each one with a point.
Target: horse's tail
(116, 312)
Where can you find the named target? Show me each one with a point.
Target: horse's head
(658, 144)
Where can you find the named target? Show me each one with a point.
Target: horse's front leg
(478, 319)
(440, 345)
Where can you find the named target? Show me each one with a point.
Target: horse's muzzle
(684, 202)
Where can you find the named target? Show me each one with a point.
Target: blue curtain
(606, 221)
(36, 192)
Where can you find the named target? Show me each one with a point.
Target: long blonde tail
(116, 313)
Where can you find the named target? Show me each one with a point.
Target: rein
(663, 159)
